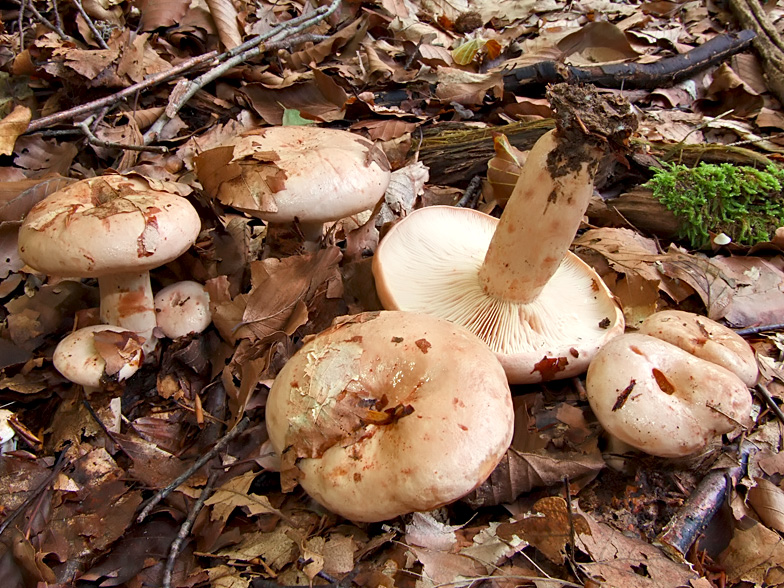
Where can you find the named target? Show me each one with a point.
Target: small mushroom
(661, 399)
(183, 308)
(295, 173)
(389, 413)
(77, 358)
(114, 228)
(706, 339)
(513, 281)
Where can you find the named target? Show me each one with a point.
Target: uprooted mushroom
(389, 413)
(674, 386)
(513, 281)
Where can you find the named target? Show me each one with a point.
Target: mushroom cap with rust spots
(388, 413)
(310, 174)
(661, 399)
(107, 225)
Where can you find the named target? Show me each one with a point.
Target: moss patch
(744, 202)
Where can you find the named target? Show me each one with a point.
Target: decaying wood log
(637, 209)
(456, 152)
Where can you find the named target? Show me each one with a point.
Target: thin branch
(765, 394)
(45, 21)
(90, 24)
(62, 462)
(153, 80)
(20, 24)
(678, 536)
(760, 329)
(217, 448)
(185, 89)
(84, 126)
(185, 530)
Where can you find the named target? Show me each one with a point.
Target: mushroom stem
(127, 302)
(540, 220)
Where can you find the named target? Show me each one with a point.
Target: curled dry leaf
(12, 126)
(225, 16)
(767, 500)
(504, 168)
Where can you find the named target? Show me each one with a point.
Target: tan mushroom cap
(388, 413)
(429, 262)
(182, 308)
(106, 225)
(661, 399)
(706, 339)
(77, 359)
(280, 174)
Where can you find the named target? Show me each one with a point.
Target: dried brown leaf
(234, 494)
(753, 552)
(225, 16)
(548, 528)
(157, 14)
(618, 560)
(318, 99)
(767, 500)
(281, 289)
(12, 126)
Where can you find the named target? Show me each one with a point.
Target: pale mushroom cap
(661, 399)
(182, 308)
(280, 174)
(322, 401)
(104, 225)
(706, 339)
(429, 262)
(76, 358)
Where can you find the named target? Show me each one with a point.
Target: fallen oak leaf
(549, 528)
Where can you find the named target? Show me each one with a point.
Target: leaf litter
(553, 513)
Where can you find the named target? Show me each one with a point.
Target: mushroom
(706, 339)
(77, 358)
(114, 228)
(182, 308)
(661, 399)
(513, 281)
(296, 173)
(387, 413)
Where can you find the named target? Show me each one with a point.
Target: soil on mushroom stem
(587, 121)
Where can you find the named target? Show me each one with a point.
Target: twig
(665, 72)
(765, 394)
(760, 329)
(683, 529)
(61, 462)
(90, 24)
(45, 21)
(20, 24)
(164, 492)
(185, 530)
(471, 195)
(186, 89)
(54, 119)
(84, 126)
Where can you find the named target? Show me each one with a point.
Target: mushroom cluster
(671, 388)
(388, 413)
(513, 281)
(310, 175)
(115, 228)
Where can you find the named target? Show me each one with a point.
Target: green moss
(745, 203)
